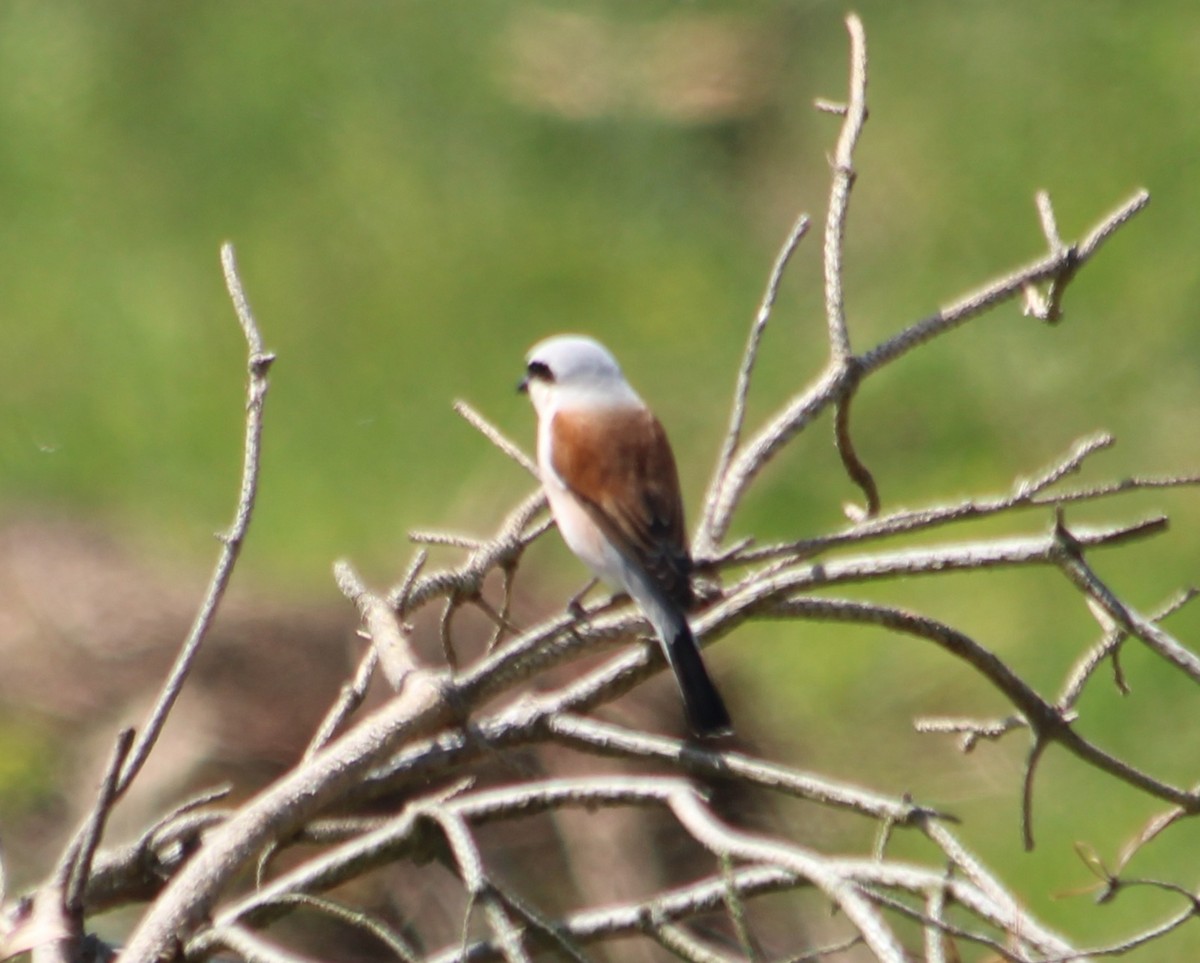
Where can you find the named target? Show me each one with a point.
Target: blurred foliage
(419, 191)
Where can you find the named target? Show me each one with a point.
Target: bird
(613, 488)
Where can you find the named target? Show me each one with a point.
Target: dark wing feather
(619, 464)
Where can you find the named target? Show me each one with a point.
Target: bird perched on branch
(613, 488)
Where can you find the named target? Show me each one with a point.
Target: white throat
(588, 395)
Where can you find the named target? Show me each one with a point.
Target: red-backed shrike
(613, 488)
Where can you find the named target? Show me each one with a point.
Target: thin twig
(83, 846)
(1002, 289)
(349, 699)
(1048, 308)
(515, 535)
(686, 946)
(1081, 450)
(390, 639)
(1107, 648)
(246, 944)
(855, 468)
(545, 928)
(1025, 494)
(735, 909)
(1157, 639)
(839, 197)
(608, 739)
(971, 730)
(445, 624)
(400, 597)
(446, 539)
(737, 416)
(503, 621)
(935, 935)
(1031, 764)
(258, 364)
(356, 919)
(496, 437)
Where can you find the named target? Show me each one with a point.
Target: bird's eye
(539, 371)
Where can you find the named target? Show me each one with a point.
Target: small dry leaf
(1091, 859)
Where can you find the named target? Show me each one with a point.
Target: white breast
(582, 535)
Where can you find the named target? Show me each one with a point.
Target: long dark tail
(705, 708)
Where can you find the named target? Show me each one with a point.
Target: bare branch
(1144, 938)
(1106, 648)
(759, 450)
(609, 739)
(82, 849)
(348, 701)
(505, 549)
(544, 929)
(446, 539)
(1157, 639)
(1154, 828)
(1025, 494)
(399, 597)
(496, 437)
(839, 196)
(295, 797)
(1002, 289)
(858, 472)
(394, 942)
(1031, 764)
(1049, 308)
(248, 946)
(390, 639)
(137, 872)
(836, 381)
(1046, 719)
(935, 935)
(737, 417)
(971, 730)
(685, 945)
(258, 364)
(1083, 449)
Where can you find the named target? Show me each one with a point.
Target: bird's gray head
(574, 365)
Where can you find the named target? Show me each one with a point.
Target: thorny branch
(418, 761)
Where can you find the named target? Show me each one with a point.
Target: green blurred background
(417, 192)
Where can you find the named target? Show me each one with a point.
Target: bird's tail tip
(705, 709)
(709, 720)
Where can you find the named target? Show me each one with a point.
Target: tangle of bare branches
(406, 784)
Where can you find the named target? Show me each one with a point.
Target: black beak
(523, 385)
